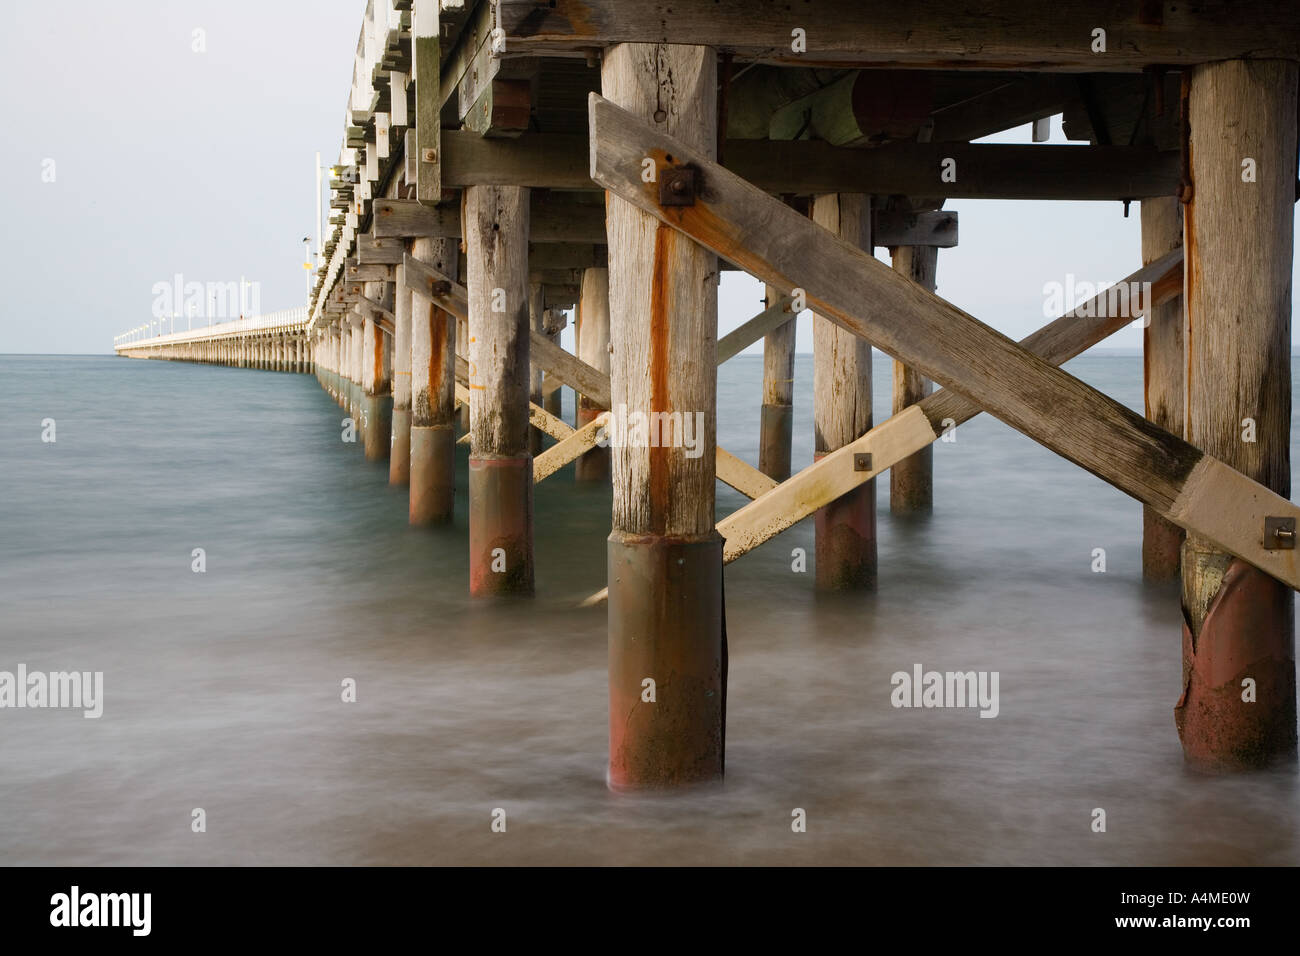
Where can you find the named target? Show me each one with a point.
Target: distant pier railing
(286, 320)
(276, 342)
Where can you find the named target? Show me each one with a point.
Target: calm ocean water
(222, 689)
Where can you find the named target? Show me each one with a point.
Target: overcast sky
(168, 161)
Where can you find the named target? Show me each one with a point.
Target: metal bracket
(1279, 534)
(677, 186)
(862, 461)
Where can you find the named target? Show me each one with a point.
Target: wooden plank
(979, 170)
(806, 167)
(472, 41)
(993, 35)
(503, 109)
(429, 98)
(572, 446)
(366, 272)
(739, 474)
(775, 244)
(554, 219)
(541, 419)
(373, 251)
(935, 228)
(570, 370)
(745, 335)
(376, 307)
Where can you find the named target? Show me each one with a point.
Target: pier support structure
(911, 481)
(374, 380)
(665, 557)
(433, 393)
(399, 460)
(593, 348)
(1238, 706)
(1162, 378)
(537, 322)
(500, 464)
(776, 423)
(846, 528)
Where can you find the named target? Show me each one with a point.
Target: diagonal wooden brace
(572, 371)
(775, 244)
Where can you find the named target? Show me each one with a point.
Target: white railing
(284, 320)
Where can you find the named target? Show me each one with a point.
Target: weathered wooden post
(553, 323)
(462, 349)
(1162, 373)
(500, 465)
(433, 394)
(911, 481)
(356, 354)
(593, 348)
(537, 321)
(374, 384)
(1238, 707)
(667, 682)
(846, 528)
(776, 422)
(399, 460)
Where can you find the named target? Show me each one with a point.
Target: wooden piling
(846, 528)
(374, 386)
(665, 558)
(500, 464)
(1162, 378)
(593, 348)
(911, 481)
(1238, 706)
(433, 393)
(399, 460)
(536, 321)
(776, 421)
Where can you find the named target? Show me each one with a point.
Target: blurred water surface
(222, 689)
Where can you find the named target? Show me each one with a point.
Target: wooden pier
(505, 163)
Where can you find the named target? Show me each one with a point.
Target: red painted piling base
(665, 625)
(594, 465)
(500, 526)
(399, 456)
(433, 474)
(846, 541)
(775, 429)
(1162, 547)
(1249, 632)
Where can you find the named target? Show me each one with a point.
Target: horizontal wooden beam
(552, 218)
(366, 272)
(940, 170)
(891, 228)
(991, 35)
(375, 251)
(957, 170)
(850, 287)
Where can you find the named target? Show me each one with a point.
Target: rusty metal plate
(677, 186)
(1279, 533)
